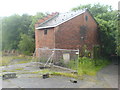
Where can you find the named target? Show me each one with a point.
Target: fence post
(78, 60)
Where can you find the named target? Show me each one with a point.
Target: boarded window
(66, 57)
(83, 31)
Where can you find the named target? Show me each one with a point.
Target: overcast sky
(9, 7)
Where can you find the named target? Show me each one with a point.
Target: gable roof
(59, 18)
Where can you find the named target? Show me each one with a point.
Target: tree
(10, 33)
(14, 26)
(118, 36)
(0, 33)
(95, 9)
(38, 16)
(26, 44)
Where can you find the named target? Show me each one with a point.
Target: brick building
(70, 30)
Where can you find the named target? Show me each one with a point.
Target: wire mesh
(61, 57)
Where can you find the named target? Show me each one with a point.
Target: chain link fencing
(66, 58)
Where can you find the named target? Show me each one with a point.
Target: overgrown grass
(72, 64)
(6, 60)
(66, 74)
(89, 67)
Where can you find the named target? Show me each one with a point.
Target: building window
(86, 18)
(45, 31)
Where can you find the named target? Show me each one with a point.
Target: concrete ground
(106, 78)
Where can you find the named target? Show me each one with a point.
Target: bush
(88, 66)
(26, 44)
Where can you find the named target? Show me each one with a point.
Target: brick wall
(45, 40)
(68, 35)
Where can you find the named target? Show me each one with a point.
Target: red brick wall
(92, 32)
(68, 34)
(43, 40)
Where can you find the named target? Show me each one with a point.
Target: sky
(31, 7)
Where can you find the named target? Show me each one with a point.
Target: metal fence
(60, 57)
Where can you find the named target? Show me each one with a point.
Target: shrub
(87, 65)
(26, 44)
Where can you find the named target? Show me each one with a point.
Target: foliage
(35, 18)
(10, 25)
(26, 44)
(72, 64)
(0, 34)
(118, 36)
(14, 26)
(96, 51)
(87, 65)
(85, 52)
(95, 9)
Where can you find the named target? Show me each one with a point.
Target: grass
(13, 70)
(8, 71)
(57, 73)
(67, 75)
(37, 72)
(84, 66)
(4, 71)
(87, 66)
(19, 69)
(25, 61)
(54, 73)
(6, 60)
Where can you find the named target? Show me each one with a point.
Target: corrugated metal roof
(59, 19)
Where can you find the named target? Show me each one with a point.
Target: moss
(4, 71)
(19, 69)
(67, 75)
(25, 61)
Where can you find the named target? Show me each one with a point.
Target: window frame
(45, 31)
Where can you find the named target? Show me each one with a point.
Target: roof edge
(59, 23)
(92, 16)
(48, 19)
